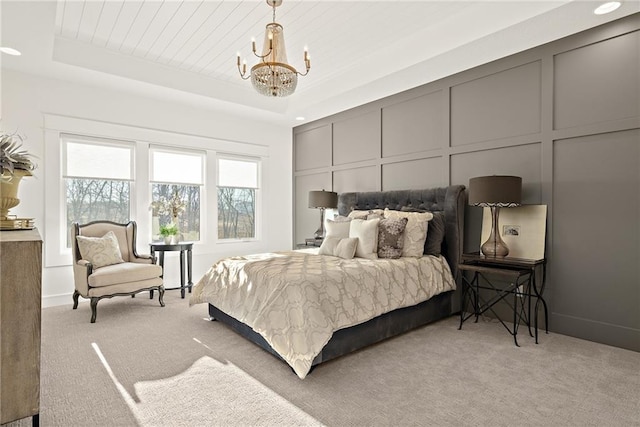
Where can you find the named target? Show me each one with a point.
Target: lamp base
(319, 234)
(495, 247)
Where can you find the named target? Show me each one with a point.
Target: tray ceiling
(356, 47)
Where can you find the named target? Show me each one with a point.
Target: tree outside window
(236, 213)
(97, 176)
(177, 179)
(237, 190)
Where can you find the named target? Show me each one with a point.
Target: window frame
(257, 201)
(202, 154)
(65, 139)
(55, 252)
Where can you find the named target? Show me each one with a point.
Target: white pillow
(335, 246)
(100, 251)
(367, 233)
(338, 229)
(365, 214)
(415, 234)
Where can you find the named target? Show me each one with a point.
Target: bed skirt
(347, 340)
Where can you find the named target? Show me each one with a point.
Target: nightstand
(490, 274)
(310, 243)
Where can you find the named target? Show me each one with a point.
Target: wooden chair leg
(94, 308)
(161, 295)
(76, 294)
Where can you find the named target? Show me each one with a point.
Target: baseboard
(56, 300)
(591, 330)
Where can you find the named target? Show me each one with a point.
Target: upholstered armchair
(106, 264)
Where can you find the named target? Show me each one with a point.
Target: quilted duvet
(296, 300)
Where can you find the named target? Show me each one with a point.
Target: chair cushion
(124, 288)
(125, 272)
(100, 251)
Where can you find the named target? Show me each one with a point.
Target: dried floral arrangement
(13, 157)
(172, 206)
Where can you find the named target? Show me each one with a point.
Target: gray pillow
(435, 233)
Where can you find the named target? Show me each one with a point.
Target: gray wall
(564, 116)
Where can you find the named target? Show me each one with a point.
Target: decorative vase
(174, 221)
(167, 240)
(9, 191)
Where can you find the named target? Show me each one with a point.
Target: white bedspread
(296, 300)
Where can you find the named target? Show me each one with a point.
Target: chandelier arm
(242, 75)
(263, 56)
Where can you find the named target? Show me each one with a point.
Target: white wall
(26, 98)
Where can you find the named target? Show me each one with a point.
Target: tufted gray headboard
(450, 200)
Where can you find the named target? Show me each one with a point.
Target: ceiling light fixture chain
(273, 76)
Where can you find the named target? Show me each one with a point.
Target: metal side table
(520, 274)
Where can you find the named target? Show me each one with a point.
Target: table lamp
(495, 192)
(322, 200)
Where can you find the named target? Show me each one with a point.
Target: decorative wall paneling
(500, 105)
(312, 150)
(356, 139)
(413, 126)
(410, 174)
(566, 117)
(599, 200)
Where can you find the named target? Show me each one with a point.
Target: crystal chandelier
(273, 76)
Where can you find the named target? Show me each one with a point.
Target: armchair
(104, 274)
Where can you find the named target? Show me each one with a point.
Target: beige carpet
(145, 365)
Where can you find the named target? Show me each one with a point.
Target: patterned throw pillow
(415, 233)
(100, 251)
(391, 237)
(435, 232)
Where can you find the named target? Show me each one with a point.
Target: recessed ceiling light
(299, 118)
(10, 51)
(607, 7)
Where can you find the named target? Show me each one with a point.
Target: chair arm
(143, 259)
(81, 272)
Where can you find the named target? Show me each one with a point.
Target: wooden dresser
(20, 312)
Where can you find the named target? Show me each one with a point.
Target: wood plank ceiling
(205, 36)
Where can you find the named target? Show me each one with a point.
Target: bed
(259, 273)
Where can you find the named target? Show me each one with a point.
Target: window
(237, 192)
(176, 182)
(97, 176)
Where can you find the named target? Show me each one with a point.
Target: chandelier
(272, 75)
